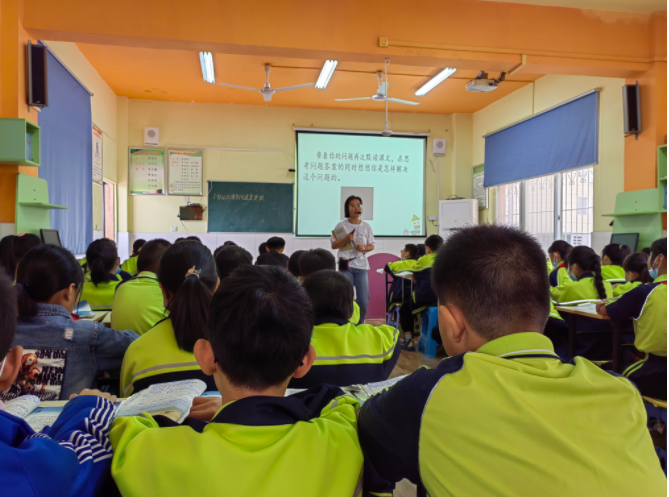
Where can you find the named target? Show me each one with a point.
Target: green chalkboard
(241, 207)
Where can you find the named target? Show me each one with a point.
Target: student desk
(570, 312)
(405, 275)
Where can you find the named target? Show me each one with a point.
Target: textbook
(365, 392)
(172, 400)
(339, 233)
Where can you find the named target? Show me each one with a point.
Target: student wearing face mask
(636, 273)
(353, 262)
(585, 271)
(646, 305)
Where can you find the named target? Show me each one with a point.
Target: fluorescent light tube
(207, 63)
(326, 74)
(434, 81)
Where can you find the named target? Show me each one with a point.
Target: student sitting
(138, 303)
(230, 258)
(294, 263)
(647, 306)
(12, 250)
(130, 266)
(274, 255)
(401, 287)
(558, 253)
(259, 443)
(585, 271)
(542, 426)
(228, 243)
(49, 280)
(613, 256)
(636, 273)
(262, 248)
(423, 295)
(101, 280)
(52, 463)
(188, 278)
(318, 260)
(345, 354)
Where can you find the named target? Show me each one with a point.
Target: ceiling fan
(382, 92)
(267, 91)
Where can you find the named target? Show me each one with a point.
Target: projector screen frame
(321, 131)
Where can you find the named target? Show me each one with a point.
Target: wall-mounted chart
(185, 172)
(147, 171)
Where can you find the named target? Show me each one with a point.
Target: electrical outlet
(174, 228)
(432, 218)
(186, 199)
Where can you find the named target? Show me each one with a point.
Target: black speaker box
(36, 77)
(631, 109)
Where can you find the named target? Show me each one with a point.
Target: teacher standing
(353, 262)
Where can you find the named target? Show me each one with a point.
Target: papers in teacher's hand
(340, 233)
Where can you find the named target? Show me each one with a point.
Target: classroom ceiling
(175, 75)
(636, 6)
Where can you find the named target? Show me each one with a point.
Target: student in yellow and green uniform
(318, 260)
(103, 274)
(188, 278)
(400, 289)
(423, 296)
(586, 275)
(346, 354)
(646, 305)
(636, 273)
(613, 256)
(138, 303)
(558, 253)
(258, 442)
(130, 265)
(503, 396)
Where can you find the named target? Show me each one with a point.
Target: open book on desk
(173, 400)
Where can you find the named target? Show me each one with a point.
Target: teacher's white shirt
(363, 236)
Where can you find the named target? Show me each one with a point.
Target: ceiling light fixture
(207, 63)
(434, 81)
(326, 74)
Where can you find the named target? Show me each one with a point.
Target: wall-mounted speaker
(632, 109)
(151, 136)
(37, 92)
(439, 146)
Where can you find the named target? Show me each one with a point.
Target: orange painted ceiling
(175, 75)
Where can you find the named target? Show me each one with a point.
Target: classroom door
(109, 210)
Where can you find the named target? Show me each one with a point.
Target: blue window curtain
(565, 137)
(66, 153)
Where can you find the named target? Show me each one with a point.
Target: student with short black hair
(230, 258)
(558, 253)
(13, 248)
(646, 305)
(188, 278)
(503, 396)
(613, 256)
(274, 255)
(636, 273)
(103, 274)
(228, 243)
(294, 263)
(48, 282)
(346, 354)
(130, 266)
(138, 303)
(193, 238)
(259, 338)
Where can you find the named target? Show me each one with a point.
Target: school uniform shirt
(559, 276)
(304, 444)
(423, 295)
(347, 354)
(512, 420)
(625, 287)
(613, 274)
(138, 304)
(101, 296)
(355, 317)
(130, 266)
(273, 259)
(583, 289)
(396, 288)
(155, 357)
(363, 236)
(70, 458)
(62, 356)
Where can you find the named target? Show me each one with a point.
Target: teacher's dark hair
(348, 201)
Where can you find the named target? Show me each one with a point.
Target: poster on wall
(184, 172)
(480, 193)
(97, 155)
(147, 171)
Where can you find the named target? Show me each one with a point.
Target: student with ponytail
(103, 277)
(13, 248)
(613, 256)
(586, 273)
(48, 282)
(188, 278)
(558, 253)
(636, 273)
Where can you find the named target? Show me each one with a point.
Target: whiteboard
(185, 172)
(479, 192)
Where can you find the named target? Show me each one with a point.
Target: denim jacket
(62, 356)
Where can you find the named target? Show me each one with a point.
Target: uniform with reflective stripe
(302, 445)
(513, 420)
(625, 287)
(355, 317)
(423, 295)
(155, 357)
(138, 304)
(101, 296)
(348, 354)
(613, 274)
(583, 289)
(393, 268)
(130, 266)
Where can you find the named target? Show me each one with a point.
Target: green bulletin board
(147, 171)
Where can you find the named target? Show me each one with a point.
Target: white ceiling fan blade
(240, 87)
(292, 87)
(350, 99)
(398, 101)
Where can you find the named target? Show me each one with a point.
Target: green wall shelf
(33, 210)
(19, 142)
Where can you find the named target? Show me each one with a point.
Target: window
(532, 204)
